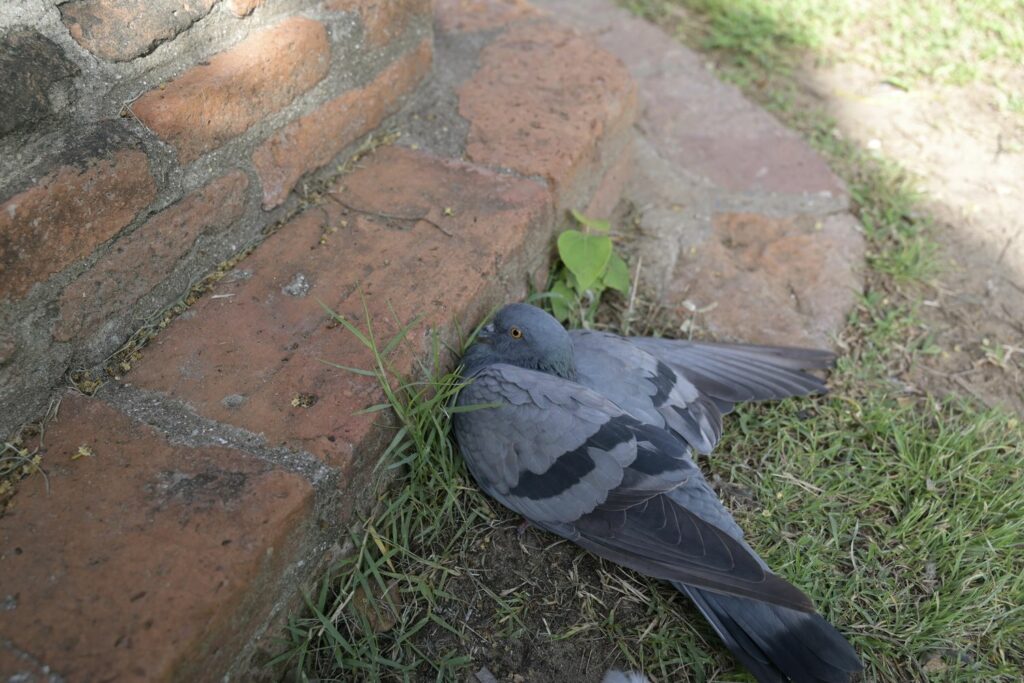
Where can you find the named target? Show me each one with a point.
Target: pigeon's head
(523, 335)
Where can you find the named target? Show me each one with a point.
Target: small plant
(589, 266)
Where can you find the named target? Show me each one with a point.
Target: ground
(936, 89)
(894, 502)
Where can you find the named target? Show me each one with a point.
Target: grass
(906, 43)
(898, 513)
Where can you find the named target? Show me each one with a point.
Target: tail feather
(776, 643)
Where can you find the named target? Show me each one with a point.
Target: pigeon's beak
(485, 334)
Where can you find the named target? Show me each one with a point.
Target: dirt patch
(967, 153)
(532, 608)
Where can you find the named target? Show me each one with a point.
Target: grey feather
(733, 373)
(646, 387)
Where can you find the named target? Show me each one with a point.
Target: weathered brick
(141, 559)
(542, 101)
(217, 101)
(480, 15)
(427, 236)
(30, 64)
(68, 213)
(311, 141)
(145, 258)
(119, 30)
(243, 8)
(383, 20)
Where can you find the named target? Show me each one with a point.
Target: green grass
(906, 43)
(902, 518)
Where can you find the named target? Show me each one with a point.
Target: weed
(588, 267)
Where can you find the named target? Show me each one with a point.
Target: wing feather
(733, 373)
(646, 387)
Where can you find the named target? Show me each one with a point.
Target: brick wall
(142, 142)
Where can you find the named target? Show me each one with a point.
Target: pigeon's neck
(479, 356)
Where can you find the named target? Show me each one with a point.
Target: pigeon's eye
(515, 332)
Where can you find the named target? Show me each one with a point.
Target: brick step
(186, 504)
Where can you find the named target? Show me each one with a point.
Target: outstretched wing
(573, 462)
(733, 373)
(646, 387)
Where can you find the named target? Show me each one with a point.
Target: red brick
(311, 141)
(217, 101)
(265, 346)
(119, 30)
(543, 100)
(67, 214)
(243, 8)
(480, 15)
(145, 258)
(801, 271)
(383, 20)
(142, 560)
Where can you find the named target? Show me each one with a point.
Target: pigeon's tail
(777, 643)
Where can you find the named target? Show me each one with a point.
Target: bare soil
(967, 153)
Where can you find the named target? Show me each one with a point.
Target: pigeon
(590, 436)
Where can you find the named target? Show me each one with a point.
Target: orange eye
(515, 332)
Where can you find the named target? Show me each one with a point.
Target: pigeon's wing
(733, 373)
(573, 462)
(646, 387)
(548, 448)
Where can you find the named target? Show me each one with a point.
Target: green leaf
(594, 224)
(586, 256)
(562, 299)
(617, 275)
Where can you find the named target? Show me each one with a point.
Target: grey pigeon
(589, 436)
